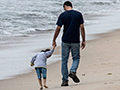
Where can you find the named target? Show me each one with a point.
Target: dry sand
(98, 69)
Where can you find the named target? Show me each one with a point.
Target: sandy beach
(28, 27)
(98, 69)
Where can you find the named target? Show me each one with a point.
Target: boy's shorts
(40, 71)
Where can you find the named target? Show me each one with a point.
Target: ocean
(31, 18)
(18, 17)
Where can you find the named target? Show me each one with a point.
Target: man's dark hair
(67, 3)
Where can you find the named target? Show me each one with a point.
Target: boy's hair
(67, 3)
(45, 50)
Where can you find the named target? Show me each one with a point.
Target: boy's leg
(44, 83)
(38, 71)
(44, 71)
(40, 82)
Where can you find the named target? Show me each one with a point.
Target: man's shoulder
(78, 12)
(62, 13)
(71, 11)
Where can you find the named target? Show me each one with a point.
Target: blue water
(18, 17)
(21, 22)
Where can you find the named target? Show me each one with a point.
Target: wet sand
(98, 69)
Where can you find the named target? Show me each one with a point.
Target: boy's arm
(33, 60)
(48, 53)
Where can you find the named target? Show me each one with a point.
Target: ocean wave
(4, 32)
(101, 3)
(33, 16)
(87, 22)
(21, 35)
(44, 30)
(34, 30)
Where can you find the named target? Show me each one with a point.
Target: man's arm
(57, 31)
(83, 35)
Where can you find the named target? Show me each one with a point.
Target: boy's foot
(64, 83)
(45, 86)
(74, 77)
(41, 88)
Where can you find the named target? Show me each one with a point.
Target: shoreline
(29, 81)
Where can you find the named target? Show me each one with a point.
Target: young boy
(39, 62)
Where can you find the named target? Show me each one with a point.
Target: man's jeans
(75, 51)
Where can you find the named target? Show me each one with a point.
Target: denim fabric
(75, 51)
(40, 71)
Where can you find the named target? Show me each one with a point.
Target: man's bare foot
(45, 86)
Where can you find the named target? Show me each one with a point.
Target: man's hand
(83, 45)
(54, 45)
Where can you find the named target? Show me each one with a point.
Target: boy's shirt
(40, 58)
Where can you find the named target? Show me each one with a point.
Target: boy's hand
(32, 64)
(53, 47)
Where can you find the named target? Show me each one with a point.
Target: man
(72, 21)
